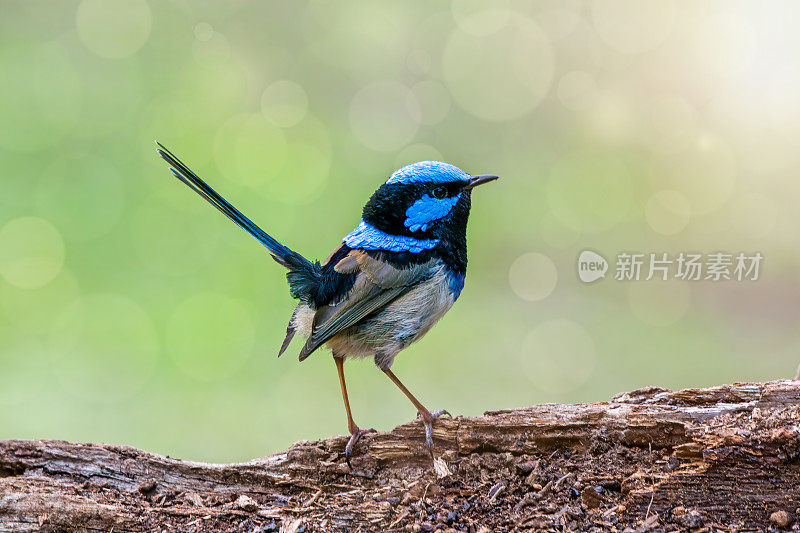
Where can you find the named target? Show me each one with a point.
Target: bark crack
(725, 457)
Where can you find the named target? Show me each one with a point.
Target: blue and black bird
(390, 280)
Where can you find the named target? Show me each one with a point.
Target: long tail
(296, 263)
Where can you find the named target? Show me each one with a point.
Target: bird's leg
(427, 416)
(355, 432)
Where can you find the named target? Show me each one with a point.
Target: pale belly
(384, 333)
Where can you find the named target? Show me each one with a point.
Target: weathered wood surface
(652, 459)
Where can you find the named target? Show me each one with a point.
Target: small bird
(389, 281)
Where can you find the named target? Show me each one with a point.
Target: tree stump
(723, 458)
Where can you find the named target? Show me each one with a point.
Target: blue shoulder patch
(428, 209)
(371, 238)
(455, 282)
(433, 171)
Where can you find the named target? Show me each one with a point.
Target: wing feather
(377, 284)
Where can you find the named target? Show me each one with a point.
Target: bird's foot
(427, 421)
(354, 436)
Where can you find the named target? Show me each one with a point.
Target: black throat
(386, 211)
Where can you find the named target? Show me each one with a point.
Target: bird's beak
(474, 181)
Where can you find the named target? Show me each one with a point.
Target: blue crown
(433, 171)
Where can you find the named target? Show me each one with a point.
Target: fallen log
(722, 458)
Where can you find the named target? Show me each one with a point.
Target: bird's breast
(401, 322)
(407, 319)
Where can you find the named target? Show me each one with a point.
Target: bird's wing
(377, 284)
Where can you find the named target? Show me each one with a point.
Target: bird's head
(424, 200)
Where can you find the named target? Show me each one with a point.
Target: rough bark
(723, 458)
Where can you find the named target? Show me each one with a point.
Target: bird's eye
(439, 192)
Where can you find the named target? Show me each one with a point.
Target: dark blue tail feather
(303, 275)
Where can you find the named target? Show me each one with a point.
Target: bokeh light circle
(285, 103)
(210, 336)
(31, 252)
(502, 76)
(558, 356)
(290, 165)
(104, 348)
(532, 276)
(612, 118)
(633, 26)
(384, 115)
(589, 191)
(667, 212)
(657, 302)
(113, 29)
(203, 31)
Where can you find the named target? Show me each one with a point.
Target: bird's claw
(427, 421)
(348, 450)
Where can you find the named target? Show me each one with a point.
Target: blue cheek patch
(426, 210)
(371, 238)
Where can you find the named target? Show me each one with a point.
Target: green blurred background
(131, 312)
